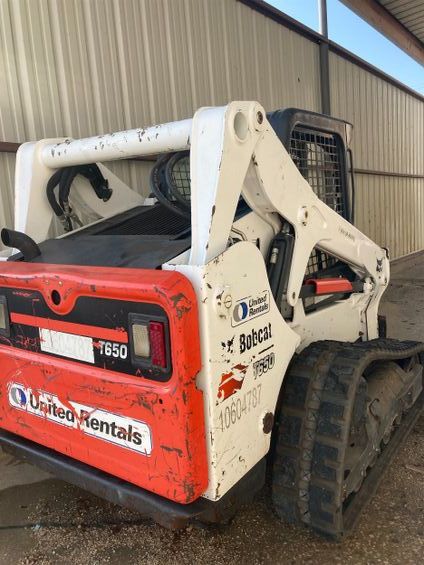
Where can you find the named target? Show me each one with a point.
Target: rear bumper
(163, 511)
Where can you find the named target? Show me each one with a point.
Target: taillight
(150, 344)
(157, 344)
(141, 342)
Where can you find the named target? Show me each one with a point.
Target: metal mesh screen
(180, 176)
(319, 261)
(317, 156)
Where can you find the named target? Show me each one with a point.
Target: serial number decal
(111, 349)
(79, 347)
(346, 233)
(67, 345)
(106, 426)
(263, 365)
(239, 407)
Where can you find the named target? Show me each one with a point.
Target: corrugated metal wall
(388, 137)
(82, 67)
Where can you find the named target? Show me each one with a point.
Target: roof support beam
(324, 59)
(377, 16)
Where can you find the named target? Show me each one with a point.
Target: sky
(352, 33)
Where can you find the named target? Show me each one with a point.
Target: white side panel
(238, 394)
(241, 379)
(330, 322)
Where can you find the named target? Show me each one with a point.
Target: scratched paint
(176, 467)
(163, 138)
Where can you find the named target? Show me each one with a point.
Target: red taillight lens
(150, 347)
(157, 344)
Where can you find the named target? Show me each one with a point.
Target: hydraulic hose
(64, 179)
(22, 242)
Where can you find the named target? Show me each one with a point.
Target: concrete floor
(43, 520)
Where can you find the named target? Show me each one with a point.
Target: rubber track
(313, 431)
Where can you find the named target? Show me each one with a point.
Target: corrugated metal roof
(410, 13)
(401, 21)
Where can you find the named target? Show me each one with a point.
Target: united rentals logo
(120, 430)
(251, 307)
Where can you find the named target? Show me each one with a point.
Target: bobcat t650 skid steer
(163, 352)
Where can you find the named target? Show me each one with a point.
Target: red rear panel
(69, 378)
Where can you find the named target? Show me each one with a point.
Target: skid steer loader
(164, 352)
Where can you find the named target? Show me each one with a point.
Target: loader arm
(233, 151)
(245, 157)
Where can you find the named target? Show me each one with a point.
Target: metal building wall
(84, 67)
(388, 139)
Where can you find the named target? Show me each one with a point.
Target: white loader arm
(241, 154)
(233, 151)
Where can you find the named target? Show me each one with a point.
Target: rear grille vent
(151, 220)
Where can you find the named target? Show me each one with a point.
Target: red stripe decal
(118, 335)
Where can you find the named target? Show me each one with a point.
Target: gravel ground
(45, 521)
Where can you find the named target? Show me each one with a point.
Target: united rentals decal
(105, 426)
(250, 307)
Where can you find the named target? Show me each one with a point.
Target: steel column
(324, 58)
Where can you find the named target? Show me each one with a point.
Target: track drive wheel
(345, 409)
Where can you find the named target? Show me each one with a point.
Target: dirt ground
(45, 521)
